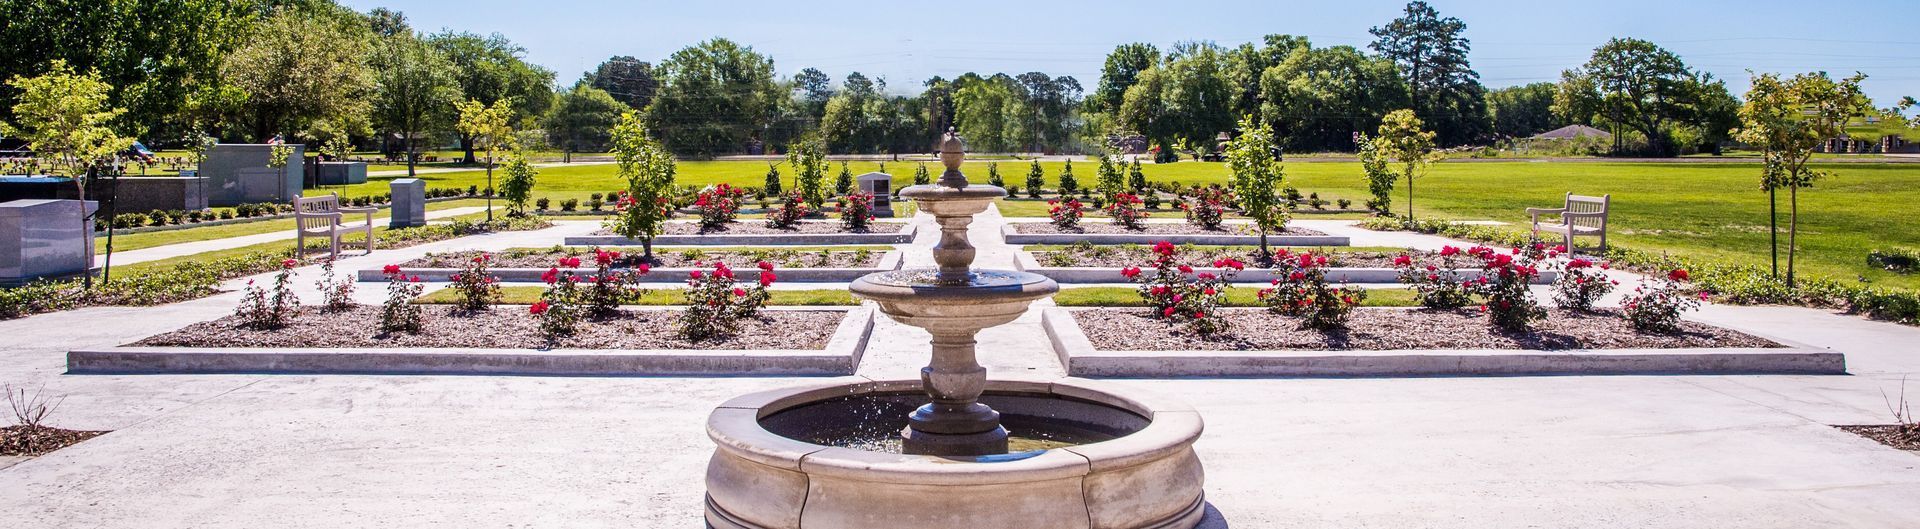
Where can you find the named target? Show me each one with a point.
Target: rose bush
(269, 308)
(1178, 296)
(398, 313)
(856, 211)
(716, 304)
(1065, 213)
(793, 207)
(1436, 283)
(1504, 283)
(1303, 291)
(1125, 211)
(1656, 303)
(1581, 284)
(475, 282)
(718, 205)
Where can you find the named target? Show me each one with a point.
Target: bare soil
(1117, 256)
(1102, 226)
(1396, 329)
(759, 227)
(662, 258)
(507, 326)
(23, 440)
(1902, 437)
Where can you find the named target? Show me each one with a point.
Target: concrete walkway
(189, 248)
(357, 451)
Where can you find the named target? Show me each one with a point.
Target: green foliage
(1068, 184)
(1646, 89)
(1257, 173)
(632, 78)
(1790, 119)
(582, 118)
(300, 66)
(490, 69)
(713, 96)
(1380, 179)
(517, 187)
(1137, 181)
(772, 185)
(64, 118)
(843, 182)
(1111, 182)
(1316, 98)
(920, 176)
(1522, 111)
(1432, 54)
(416, 91)
(1121, 71)
(993, 175)
(1404, 140)
(809, 161)
(1179, 102)
(648, 169)
(1898, 260)
(1035, 179)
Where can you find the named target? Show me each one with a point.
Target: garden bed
(1175, 232)
(1103, 264)
(526, 265)
(1411, 342)
(504, 340)
(26, 441)
(1897, 436)
(758, 233)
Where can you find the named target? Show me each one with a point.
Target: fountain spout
(953, 303)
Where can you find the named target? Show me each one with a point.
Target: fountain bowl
(1135, 470)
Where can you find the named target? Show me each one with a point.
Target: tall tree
(582, 119)
(1432, 54)
(938, 102)
(713, 97)
(1121, 70)
(1522, 111)
(1187, 101)
(1248, 62)
(489, 127)
(490, 69)
(648, 168)
(1317, 98)
(416, 93)
(1049, 105)
(990, 113)
(812, 88)
(628, 80)
(1644, 88)
(298, 67)
(1788, 120)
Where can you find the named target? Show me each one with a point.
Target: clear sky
(1514, 42)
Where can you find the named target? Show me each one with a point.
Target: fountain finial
(952, 152)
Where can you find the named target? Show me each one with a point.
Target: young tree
(517, 187)
(1380, 179)
(1404, 140)
(416, 91)
(1136, 178)
(1111, 181)
(772, 184)
(487, 127)
(581, 119)
(1068, 184)
(63, 116)
(843, 183)
(1035, 180)
(1788, 120)
(1432, 54)
(648, 168)
(1257, 172)
(920, 176)
(993, 175)
(809, 161)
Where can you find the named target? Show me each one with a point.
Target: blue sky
(1514, 42)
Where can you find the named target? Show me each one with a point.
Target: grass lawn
(134, 241)
(1702, 210)
(526, 295)
(1236, 297)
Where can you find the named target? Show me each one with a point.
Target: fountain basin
(1120, 460)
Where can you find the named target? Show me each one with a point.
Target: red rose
(538, 308)
(552, 275)
(1678, 274)
(391, 269)
(739, 292)
(1130, 272)
(1403, 260)
(288, 263)
(766, 278)
(766, 266)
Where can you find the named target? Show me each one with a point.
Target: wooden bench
(1581, 215)
(324, 217)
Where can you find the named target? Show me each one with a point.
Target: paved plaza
(508, 451)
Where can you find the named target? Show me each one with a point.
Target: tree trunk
(646, 246)
(466, 144)
(80, 184)
(410, 157)
(1409, 194)
(489, 182)
(1773, 226)
(1793, 230)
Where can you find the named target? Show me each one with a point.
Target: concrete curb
(1026, 262)
(1077, 353)
(840, 357)
(888, 261)
(903, 236)
(1012, 237)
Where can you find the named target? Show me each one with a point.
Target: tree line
(318, 72)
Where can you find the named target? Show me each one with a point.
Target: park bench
(1581, 215)
(324, 217)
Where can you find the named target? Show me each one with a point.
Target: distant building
(1571, 132)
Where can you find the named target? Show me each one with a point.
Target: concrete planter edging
(888, 261)
(1012, 236)
(1085, 275)
(903, 236)
(840, 357)
(1081, 359)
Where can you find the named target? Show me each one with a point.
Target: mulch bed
(1396, 329)
(1157, 228)
(1901, 437)
(546, 258)
(1120, 256)
(759, 227)
(22, 440)
(506, 327)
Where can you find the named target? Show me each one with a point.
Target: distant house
(1571, 132)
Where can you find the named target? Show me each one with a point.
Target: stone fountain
(953, 449)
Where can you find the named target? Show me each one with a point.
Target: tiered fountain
(953, 449)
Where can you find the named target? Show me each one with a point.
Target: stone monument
(238, 174)
(881, 186)
(45, 238)
(409, 206)
(340, 173)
